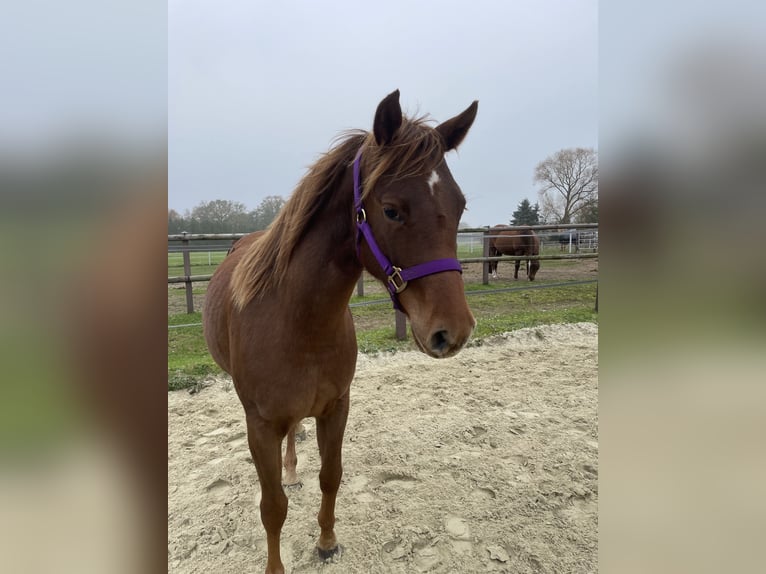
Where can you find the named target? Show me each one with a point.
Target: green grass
(500, 312)
(189, 360)
(202, 262)
(188, 357)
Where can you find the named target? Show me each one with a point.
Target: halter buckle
(396, 280)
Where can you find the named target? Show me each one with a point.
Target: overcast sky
(257, 90)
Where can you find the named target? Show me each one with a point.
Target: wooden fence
(188, 279)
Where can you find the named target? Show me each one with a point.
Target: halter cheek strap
(397, 277)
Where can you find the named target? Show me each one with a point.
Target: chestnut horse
(519, 241)
(276, 315)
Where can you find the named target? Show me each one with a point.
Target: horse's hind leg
(266, 447)
(330, 430)
(291, 460)
(516, 269)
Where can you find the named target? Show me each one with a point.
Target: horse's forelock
(415, 151)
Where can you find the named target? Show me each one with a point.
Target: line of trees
(568, 193)
(224, 216)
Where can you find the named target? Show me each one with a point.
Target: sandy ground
(485, 462)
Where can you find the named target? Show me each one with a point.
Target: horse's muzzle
(439, 315)
(443, 344)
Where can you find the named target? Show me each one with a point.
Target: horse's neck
(325, 263)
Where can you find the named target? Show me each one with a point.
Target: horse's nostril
(439, 341)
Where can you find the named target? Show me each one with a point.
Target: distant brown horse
(518, 241)
(276, 315)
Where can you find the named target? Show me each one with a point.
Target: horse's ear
(388, 118)
(453, 131)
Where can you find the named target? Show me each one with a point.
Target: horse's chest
(298, 384)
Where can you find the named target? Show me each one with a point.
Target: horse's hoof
(330, 555)
(294, 486)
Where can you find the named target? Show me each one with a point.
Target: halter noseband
(397, 277)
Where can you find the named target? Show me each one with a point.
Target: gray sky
(257, 90)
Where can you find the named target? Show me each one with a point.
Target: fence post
(596, 298)
(485, 264)
(360, 285)
(187, 273)
(401, 326)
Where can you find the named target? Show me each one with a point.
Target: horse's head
(413, 207)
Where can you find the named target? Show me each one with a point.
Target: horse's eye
(391, 213)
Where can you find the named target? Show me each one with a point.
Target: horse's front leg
(330, 430)
(266, 448)
(517, 264)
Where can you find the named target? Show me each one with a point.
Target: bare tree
(569, 184)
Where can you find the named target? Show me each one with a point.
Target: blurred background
(682, 333)
(83, 188)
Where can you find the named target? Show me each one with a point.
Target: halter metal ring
(396, 280)
(361, 216)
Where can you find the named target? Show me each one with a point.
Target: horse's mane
(413, 151)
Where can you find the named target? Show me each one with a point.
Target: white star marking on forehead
(433, 179)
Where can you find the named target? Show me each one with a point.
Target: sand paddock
(485, 462)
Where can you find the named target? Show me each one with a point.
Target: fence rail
(486, 234)
(561, 228)
(203, 278)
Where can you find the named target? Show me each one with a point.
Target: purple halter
(397, 277)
